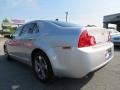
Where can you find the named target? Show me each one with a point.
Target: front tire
(6, 53)
(42, 67)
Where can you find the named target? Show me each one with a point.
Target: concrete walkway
(1, 36)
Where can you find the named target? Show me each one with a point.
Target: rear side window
(35, 28)
(17, 32)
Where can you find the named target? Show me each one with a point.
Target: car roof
(58, 23)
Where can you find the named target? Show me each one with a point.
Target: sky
(81, 12)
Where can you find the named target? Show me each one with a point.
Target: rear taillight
(86, 40)
(109, 37)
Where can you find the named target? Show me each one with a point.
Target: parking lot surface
(18, 76)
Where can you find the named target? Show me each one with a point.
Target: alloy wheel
(41, 67)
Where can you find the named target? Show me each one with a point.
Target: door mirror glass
(9, 36)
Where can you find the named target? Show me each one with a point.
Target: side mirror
(8, 36)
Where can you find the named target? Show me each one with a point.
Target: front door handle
(30, 38)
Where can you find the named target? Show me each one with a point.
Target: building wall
(112, 18)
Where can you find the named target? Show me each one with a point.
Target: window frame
(37, 30)
(33, 28)
(17, 32)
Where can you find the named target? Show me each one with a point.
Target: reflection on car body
(59, 48)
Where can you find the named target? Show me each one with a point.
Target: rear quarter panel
(52, 38)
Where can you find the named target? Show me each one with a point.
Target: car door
(27, 37)
(14, 43)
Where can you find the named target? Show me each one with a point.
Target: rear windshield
(64, 24)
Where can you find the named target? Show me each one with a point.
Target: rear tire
(42, 67)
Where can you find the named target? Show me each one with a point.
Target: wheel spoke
(41, 67)
(43, 73)
(44, 64)
(40, 57)
(37, 66)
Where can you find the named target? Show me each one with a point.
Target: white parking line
(1, 48)
(1, 43)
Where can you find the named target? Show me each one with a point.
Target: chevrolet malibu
(59, 48)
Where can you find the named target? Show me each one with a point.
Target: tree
(6, 24)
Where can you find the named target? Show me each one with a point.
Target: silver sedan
(59, 48)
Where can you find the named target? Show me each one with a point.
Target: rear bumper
(78, 62)
(101, 65)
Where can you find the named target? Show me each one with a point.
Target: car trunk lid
(101, 34)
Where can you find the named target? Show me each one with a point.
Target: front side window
(27, 29)
(17, 32)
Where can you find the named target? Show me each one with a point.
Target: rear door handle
(45, 34)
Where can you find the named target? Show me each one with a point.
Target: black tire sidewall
(49, 69)
(8, 56)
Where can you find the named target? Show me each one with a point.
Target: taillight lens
(109, 37)
(86, 40)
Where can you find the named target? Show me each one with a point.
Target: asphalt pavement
(18, 76)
